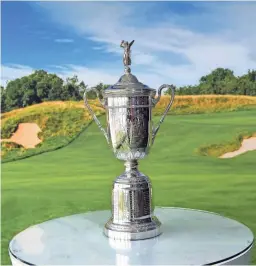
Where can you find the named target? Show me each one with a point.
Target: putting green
(79, 177)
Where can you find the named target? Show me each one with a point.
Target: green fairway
(79, 177)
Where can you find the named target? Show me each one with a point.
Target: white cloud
(64, 40)
(90, 76)
(177, 48)
(143, 59)
(226, 41)
(58, 67)
(14, 71)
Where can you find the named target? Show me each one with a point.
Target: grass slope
(62, 122)
(78, 177)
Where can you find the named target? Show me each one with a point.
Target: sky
(175, 42)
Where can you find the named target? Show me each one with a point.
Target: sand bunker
(26, 135)
(247, 145)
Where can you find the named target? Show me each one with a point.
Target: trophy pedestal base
(133, 231)
(189, 237)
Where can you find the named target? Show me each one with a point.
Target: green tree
(215, 82)
(13, 95)
(41, 86)
(3, 97)
(99, 88)
(169, 91)
(246, 84)
(29, 93)
(56, 85)
(71, 90)
(42, 89)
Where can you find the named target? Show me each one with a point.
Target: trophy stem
(131, 166)
(132, 211)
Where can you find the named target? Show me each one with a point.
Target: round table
(188, 236)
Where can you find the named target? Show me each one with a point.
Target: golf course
(78, 177)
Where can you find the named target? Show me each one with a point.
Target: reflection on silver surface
(124, 250)
(130, 131)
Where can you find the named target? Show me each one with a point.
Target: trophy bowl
(131, 133)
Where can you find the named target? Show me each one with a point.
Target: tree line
(41, 86)
(222, 81)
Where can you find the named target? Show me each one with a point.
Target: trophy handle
(155, 101)
(94, 116)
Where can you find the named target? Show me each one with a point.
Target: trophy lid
(128, 84)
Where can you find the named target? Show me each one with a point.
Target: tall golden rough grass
(46, 107)
(205, 103)
(182, 104)
(56, 115)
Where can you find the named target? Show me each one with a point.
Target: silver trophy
(130, 130)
